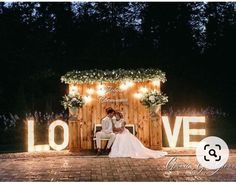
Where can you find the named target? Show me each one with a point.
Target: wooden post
(155, 128)
(75, 140)
(75, 135)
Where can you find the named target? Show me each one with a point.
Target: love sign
(172, 137)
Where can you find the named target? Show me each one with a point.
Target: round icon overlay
(212, 152)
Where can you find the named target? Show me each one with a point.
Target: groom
(107, 131)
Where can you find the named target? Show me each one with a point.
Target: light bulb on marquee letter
(52, 127)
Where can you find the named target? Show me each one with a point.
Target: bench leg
(106, 144)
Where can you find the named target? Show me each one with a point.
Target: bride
(127, 145)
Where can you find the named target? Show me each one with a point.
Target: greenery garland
(92, 76)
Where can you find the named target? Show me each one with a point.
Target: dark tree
(192, 42)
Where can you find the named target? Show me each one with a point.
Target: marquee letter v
(172, 137)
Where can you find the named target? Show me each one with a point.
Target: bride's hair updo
(109, 110)
(119, 114)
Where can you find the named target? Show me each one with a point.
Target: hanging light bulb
(90, 91)
(87, 99)
(73, 89)
(129, 83)
(156, 82)
(143, 89)
(138, 95)
(101, 91)
(123, 87)
(126, 85)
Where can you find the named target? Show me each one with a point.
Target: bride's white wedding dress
(127, 145)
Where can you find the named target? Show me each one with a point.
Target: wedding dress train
(127, 145)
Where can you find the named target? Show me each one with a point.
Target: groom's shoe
(99, 152)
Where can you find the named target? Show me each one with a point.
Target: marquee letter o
(53, 125)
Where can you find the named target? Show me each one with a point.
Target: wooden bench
(98, 127)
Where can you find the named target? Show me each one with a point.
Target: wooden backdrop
(134, 113)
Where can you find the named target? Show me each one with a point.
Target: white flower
(152, 99)
(73, 99)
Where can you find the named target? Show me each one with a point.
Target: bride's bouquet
(153, 98)
(72, 101)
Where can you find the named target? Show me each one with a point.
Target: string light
(92, 76)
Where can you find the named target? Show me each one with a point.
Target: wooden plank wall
(134, 112)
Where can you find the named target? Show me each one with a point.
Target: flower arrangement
(153, 98)
(72, 101)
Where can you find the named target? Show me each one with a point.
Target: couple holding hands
(121, 142)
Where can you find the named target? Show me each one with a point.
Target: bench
(98, 127)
